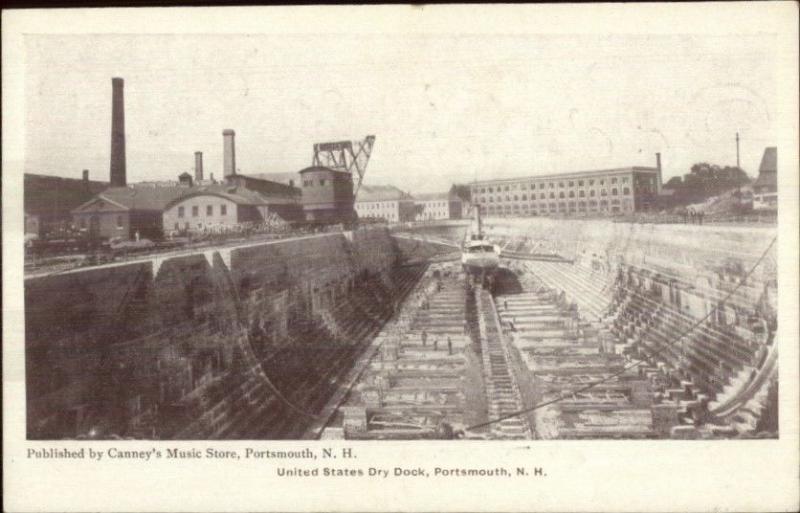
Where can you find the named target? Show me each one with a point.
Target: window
(186, 225)
(614, 191)
(552, 195)
(516, 198)
(602, 182)
(591, 193)
(561, 195)
(614, 180)
(580, 183)
(195, 211)
(177, 226)
(541, 196)
(524, 197)
(322, 182)
(581, 194)
(625, 179)
(626, 191)
(180, 211)
(119, 221)
(541, 185)
(591, 182)
(603, 192)
(223, 210)
(506, 187)
(552, 185)
(209, 210)
(561, 184)
(571, 183)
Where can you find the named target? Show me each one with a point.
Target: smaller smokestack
(198, 166)
(229, 153)
(658, 178)
(86, 179)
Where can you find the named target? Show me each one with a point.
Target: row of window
(581, 206)
(223, 210)
(552, 185)
(561, 195)
(310, 183)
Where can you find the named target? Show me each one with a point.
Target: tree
(706, 180)
(675, 183)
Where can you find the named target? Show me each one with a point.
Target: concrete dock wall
(122, 338)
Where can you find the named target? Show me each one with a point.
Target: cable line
(562, 396)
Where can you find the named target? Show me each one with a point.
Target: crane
(346, 156)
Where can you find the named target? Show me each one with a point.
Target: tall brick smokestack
(118, 178)
(229, 152)
(658, 178)
(198, 166)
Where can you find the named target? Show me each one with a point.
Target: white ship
(478, 255)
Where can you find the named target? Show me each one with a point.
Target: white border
(582, 476)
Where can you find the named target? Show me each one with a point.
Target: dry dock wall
(706, 262)
(105, 345)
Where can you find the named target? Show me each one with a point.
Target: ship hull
(480, 264)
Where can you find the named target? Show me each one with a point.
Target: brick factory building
(584, 193)
(385, 202)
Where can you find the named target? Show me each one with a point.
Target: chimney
(118, 178)
(658, 177)
(198, 166)
(229, 153)
(86, 179)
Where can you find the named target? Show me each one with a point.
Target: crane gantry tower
(347, 156)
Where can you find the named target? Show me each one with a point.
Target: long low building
(153, 212)
(601, 192)
(385, 202)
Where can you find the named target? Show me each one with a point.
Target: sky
(443, 108)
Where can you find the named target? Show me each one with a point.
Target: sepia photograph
(331, 237)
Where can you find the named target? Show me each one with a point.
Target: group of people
(692, 216)
(436, 342)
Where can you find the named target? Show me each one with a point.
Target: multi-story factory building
(603, 192)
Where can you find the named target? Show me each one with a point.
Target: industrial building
(126, 212)
(222, 207)
(437, 206)
(584, 193)
(385, 202)
(327, 195)
(49, 200)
